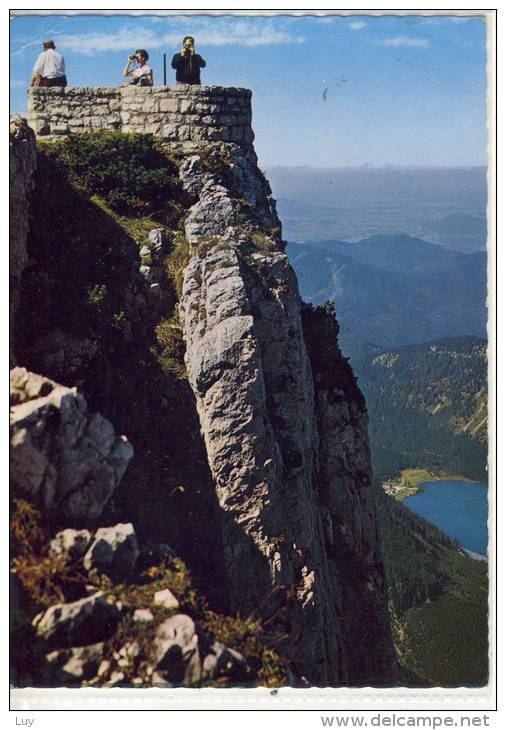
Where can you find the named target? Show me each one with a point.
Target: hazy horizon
(385, 166)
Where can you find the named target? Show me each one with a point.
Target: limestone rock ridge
(288, 451)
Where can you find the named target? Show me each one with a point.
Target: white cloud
(357, 25)
(206, 33)
(16, 84)
(402, 40)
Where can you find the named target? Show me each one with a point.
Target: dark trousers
(58, 81)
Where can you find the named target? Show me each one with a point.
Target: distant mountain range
(442, 205)
(428, 407)
(392, 290)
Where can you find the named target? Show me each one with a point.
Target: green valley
(438, 600)
(427, 408)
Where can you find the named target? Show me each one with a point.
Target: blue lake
(458, 508)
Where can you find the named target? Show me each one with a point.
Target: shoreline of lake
(476, 556)
(411, 482)
(458, 508)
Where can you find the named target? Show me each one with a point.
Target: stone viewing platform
(184, 116)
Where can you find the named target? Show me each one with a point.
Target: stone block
(187, 105)
(143, 615)
(114, 551)
(59, 129)
(198, 133)
(153, 128)
(249, 135)
(237, 134)
(72, 666)
(100, 110)
(169, 105)
(183, 133)
(87, 621)
(228, 119)
(219, 133)
(71, 544)
(169, 131)
(150, 105)
(165, 599)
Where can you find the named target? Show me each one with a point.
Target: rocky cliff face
(62, 458)
(284, 505)
(22, 165)
(289, 456)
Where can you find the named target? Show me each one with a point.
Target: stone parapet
(184, 116)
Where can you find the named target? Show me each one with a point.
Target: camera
(132, 57)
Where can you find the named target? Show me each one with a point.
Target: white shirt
(140, 71)
(50, 64)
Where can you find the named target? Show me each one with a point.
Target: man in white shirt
(49, 69)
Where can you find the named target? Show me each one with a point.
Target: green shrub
(171, 347)
(128, 170)
(176, 262)
(97, 294)
(46, 578)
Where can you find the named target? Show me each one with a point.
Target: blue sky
(331, 91)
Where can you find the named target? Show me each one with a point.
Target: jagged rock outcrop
(62, 457)
(22, 165)
(114, 552)
(289, 472)
(87, 621)
(73, 666)
(71, 544)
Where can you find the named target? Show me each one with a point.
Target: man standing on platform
(49, 69)
(188, 63)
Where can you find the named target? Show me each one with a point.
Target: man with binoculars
(188, 63)
(141, 74)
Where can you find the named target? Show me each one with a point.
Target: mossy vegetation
(42, 575)
(170, 349)
(176, 262)
(213, 159)
(131, 172)
(206, 244)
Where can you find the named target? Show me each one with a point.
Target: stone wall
(184, 116)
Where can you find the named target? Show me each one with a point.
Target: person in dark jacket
(188, 63)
